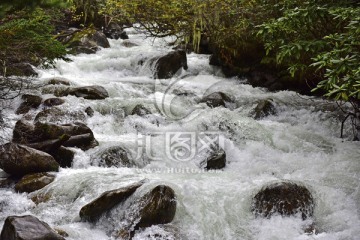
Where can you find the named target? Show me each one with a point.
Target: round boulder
(284, 198)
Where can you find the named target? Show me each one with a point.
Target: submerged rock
(89, 111)
(115, 156)
(166, 66)
(50, 102)
(216, 99)
(216, 160)
(109, 199)
(264, 108)
(32, 182)
(27, 228)
(19, 160)
(140, 110)
(90, 92)
(59, 81)
(29, 101)
(284, 198)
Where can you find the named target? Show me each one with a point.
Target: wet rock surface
(264, 108)
(27, 228)
(50, 102)
(166, 66)
(32, 182)
(216, 160)
(19, 160)
(90, 92)
(157, 207)
(29, 102)
(284, 198)
(109, 199)
(216, 99)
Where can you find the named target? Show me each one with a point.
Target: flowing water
(300, 143)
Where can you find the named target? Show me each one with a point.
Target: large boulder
(157, 207)
(109, 199)
(29, 101)
(19, 160)
(27, 228)
(64, 156)
(264, 108)
(90, 92)
(166, 66)
(284, 198)
(216, 99)
(32, 182)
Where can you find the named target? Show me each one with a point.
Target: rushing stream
(300, 143)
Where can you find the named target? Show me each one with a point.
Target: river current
(300, 143)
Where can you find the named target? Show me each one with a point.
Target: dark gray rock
(24, 132)
(264, 108)
(216, 99)
(59, 81)
(216, 160)
(109, 199)
(140, 110)
(115, 156)
(89, 111)
(27, 228)
(90, 92)
(29, 101)
(19, 160)
(32, 182)
(284, 198)
(157, 207)
(166, 66)
(19, 69)
(50, 102)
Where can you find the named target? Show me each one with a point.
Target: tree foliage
(29, 39)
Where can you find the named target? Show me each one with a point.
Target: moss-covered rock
(32, 182)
